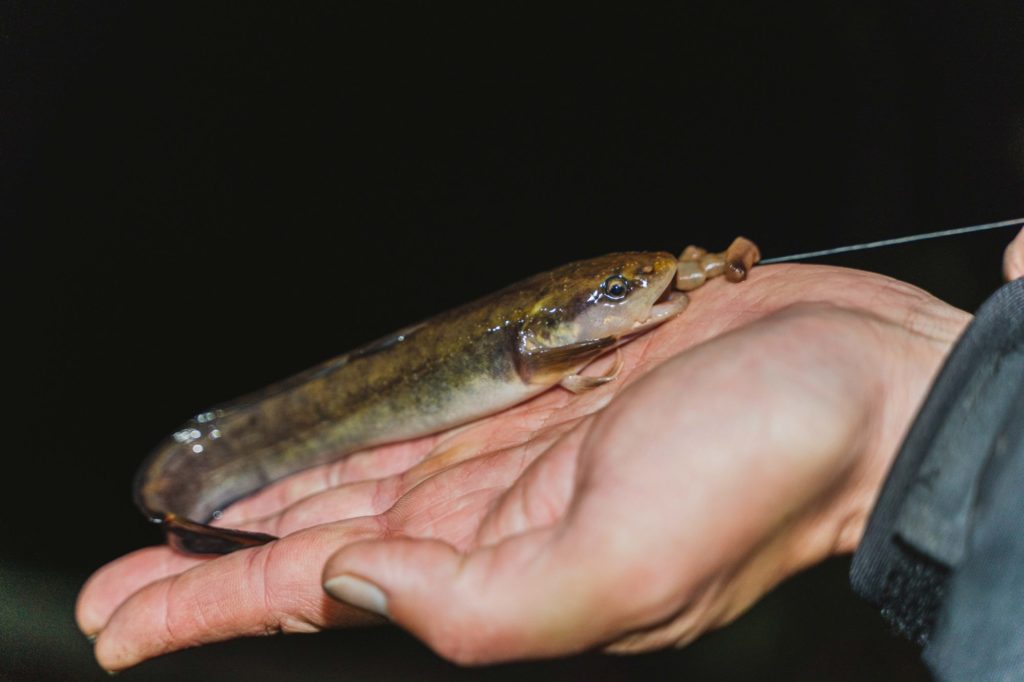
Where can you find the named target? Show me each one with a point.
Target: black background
(200, 199)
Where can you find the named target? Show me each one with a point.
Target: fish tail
(199, 538)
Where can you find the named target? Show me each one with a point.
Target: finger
(115, 582)
(469, 608)
(536, 594)
(430, 509)
(1013, 258)
(108, 587)
(371, 464)
(264, 590)
(372, 477)
(365, 498)
(444, 495)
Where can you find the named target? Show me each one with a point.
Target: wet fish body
(458, 366)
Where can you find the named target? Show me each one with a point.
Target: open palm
(741, 442)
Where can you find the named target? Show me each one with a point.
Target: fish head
(609, 297)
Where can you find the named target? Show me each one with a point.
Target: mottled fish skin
(458, 366)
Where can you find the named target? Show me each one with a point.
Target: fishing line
(895, 240)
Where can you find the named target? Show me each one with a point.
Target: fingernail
(92, 637)
(357, 592)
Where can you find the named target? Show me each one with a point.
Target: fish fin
(198, 538)
(577, 383)
(537, 365)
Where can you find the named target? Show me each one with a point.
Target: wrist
(911, 354)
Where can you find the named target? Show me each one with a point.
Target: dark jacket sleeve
(943, 553)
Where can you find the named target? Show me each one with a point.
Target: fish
(456, 367)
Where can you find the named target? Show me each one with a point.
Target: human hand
(1013, 258)
(639, 514)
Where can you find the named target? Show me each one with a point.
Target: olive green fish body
(458, 366)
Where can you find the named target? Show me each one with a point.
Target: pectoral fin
(577, 383)
(552, 364)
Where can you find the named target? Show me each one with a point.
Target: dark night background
(197, 200)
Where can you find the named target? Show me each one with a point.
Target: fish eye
(615, 287)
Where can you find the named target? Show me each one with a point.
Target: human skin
(1013, 259)
(743, 441)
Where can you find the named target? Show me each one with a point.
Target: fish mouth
(669, 304)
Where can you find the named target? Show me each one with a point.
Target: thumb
(526, 597)
(1013, 259)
